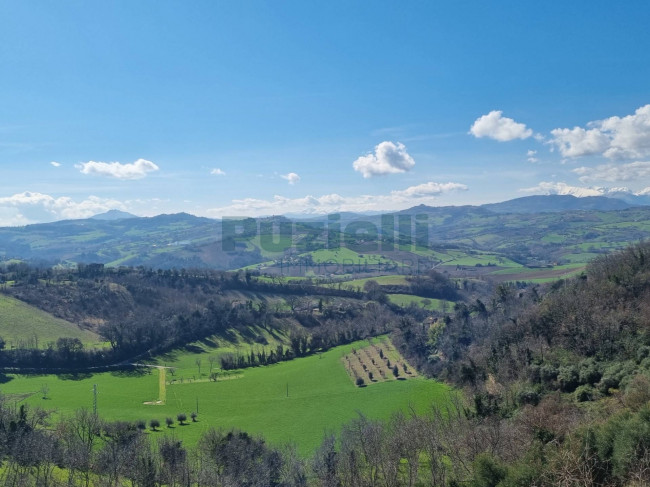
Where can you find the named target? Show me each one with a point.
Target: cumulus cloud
(55, 164)
(614, 137)
(428, 189)
(11, 217)
(28, 207)
(292, 177)
(630, 171)
(135, 170)
(531, 156)
(495, 126)
(387, 158)
(425, 193)
(217, 172)
(577, 142)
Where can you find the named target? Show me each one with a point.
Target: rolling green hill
(507, 236)
(22, 323)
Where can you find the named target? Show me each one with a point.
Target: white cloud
(425, 193)
(28, 207)
(630, 135)
(579, 142)
(428, 189)
(292, 177)
(136, 170)
(495, 126)
(388, 158)
(217, 172)
(615, 137)
(530, 155)
(11, 217)
(55, 164)
(631, 171)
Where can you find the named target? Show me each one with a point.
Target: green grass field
(381, 280)
(428, 303)
(320, 398)
(22, 322)
(345, 256)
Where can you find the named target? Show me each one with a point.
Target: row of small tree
(154, 423)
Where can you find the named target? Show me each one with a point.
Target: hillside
(531, 231)
(24, 325)
(558, 203)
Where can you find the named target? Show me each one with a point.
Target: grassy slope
(406, 299)
(20, 321)
(382, 280)
(321, 398)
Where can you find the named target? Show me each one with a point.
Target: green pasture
(296, 401)
(534, 270)
(20, 322)
(343, 255)
(392, 280)
(428, 303)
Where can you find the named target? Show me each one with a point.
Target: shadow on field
(4, 378)
(275, 334)
(193, 348)
(209, 342)
(75, 376)
(168, 356)
(137, 372)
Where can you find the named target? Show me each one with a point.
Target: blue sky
(229, 108)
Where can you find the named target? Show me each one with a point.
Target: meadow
(427, 303)
(290, 402)
(20, 322)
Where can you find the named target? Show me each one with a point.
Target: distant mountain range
(527, 229)
(555, 203)
(114, 215)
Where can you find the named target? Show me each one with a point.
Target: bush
(528, 397)
(181, 417)
(590, 372)
(154, 424)
(534, 373)
(169, 422)
(642, 353)
(584, 393)
(548, 373)
(637, 393)
(488, 471)
(193, 416)
(141, 424)
(360, 381)
(607, 383)
(568, 378)
(617, 375)
(395, 371)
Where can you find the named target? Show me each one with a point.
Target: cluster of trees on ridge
(147, 311)
(565, 366)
